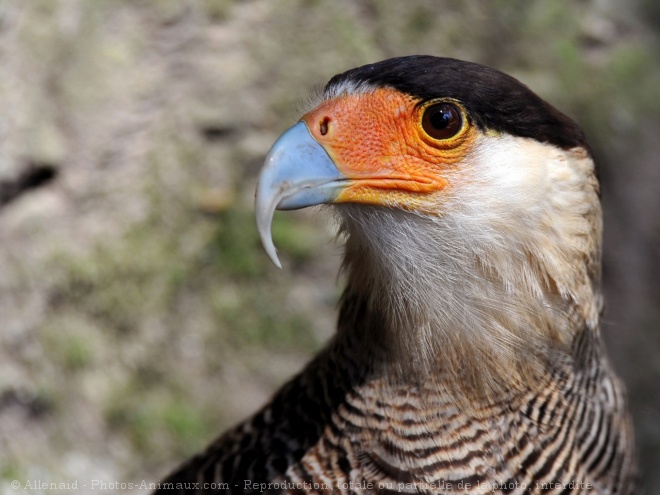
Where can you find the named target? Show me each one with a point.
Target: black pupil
(441, 118)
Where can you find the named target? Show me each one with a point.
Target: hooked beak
(298, 172)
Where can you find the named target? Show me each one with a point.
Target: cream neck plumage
(490, 289)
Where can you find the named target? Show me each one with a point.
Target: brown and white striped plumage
(468, 357)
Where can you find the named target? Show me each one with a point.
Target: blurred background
(139, 316)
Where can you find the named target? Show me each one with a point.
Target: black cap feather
(492, 99)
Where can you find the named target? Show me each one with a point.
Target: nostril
(323, 127)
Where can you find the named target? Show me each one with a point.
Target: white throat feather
(487, 291)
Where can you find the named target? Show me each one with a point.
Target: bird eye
(442, 121)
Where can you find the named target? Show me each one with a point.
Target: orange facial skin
(377, 141)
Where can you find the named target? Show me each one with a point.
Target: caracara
(468, 356)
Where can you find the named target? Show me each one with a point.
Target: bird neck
(449, 314)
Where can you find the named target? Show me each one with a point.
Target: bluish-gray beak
(298, 172)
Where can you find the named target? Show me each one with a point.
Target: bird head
(470, 205)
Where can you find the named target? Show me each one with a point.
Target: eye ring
(442, 120)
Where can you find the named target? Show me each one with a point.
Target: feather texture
(468, 357)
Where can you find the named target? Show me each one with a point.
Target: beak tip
(271, 251)
(264, 221)
(276, 261)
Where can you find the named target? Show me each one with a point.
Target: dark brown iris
(442, 121)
